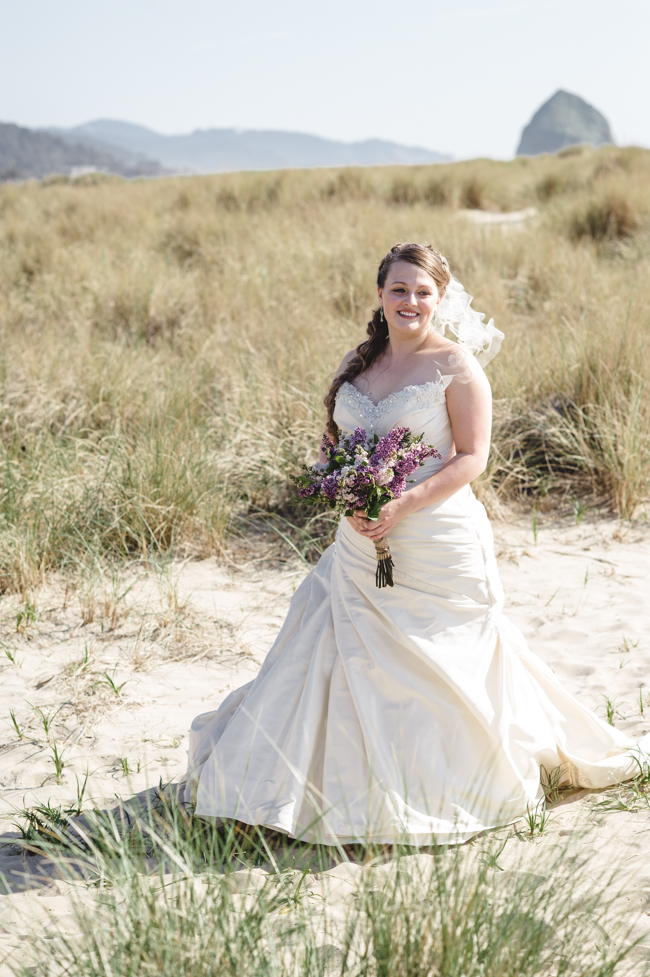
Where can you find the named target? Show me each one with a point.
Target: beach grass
(166, 344)
(156, 891)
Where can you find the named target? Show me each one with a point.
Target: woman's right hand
(359, 521)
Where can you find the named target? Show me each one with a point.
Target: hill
(222, 150)
(26, 153)
(564, 120)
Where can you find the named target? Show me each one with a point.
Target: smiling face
(409, 297)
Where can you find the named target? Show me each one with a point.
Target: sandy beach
(108, 679)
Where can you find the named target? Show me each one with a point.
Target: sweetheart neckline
(410, 386)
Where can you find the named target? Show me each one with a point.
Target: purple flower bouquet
(363, 473)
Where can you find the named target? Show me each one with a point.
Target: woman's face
(409, 297)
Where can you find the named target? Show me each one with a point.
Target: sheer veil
(456, 316)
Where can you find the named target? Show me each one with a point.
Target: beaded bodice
(420, 407)
(420, 394)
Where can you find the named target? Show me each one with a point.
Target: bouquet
(363, 473)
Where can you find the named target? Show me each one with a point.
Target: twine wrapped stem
(384, 574)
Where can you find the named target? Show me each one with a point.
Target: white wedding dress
(415, 713)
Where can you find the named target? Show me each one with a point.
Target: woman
(415, 713)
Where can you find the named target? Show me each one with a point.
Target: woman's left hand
(389, 516)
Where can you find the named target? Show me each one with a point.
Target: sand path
(118, 692)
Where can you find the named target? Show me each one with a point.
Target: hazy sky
(462, 76)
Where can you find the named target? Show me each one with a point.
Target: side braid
(365, 355)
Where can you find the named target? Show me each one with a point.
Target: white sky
(463, 76)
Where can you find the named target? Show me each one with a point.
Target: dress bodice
(420, 407)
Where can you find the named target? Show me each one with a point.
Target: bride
(417, 713)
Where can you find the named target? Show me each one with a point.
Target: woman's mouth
(408, 315)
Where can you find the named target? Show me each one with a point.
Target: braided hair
(367, 352)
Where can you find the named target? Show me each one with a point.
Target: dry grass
(166, 344)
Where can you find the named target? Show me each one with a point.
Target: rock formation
(565, 120)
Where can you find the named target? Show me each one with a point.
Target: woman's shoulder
(452, 362)
(345, 362)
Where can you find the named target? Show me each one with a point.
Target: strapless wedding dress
(415, 713)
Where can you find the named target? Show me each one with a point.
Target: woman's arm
(470, 412)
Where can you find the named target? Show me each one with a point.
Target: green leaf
(373, 510)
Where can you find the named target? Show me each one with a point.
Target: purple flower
(330, 486)
(308, 490)
(365, 468)
(358, 438)
(327, 444)
(389, 444)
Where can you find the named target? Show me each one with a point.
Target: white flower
(384, 476)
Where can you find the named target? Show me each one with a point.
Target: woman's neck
(400, 348)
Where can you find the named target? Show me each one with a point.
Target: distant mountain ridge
(25, 154)
(221, 150)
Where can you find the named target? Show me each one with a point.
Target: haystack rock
(565, 120)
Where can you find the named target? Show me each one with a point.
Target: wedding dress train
(415, 713)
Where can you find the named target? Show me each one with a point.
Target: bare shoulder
(467, 389)
(440, 347)
(345, 362)
(456, 364)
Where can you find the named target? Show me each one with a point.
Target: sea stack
(565, 120)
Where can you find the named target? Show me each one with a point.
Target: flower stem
(385, 565)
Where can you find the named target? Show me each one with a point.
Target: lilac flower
(308, 490)
(327, 444)
(329, 486)
(358, 439)
(387, 445)
(363, 474)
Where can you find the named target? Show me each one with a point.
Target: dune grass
(166, 344)
(155, 891)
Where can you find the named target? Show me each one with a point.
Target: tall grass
(156, 891)
(166, 344)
